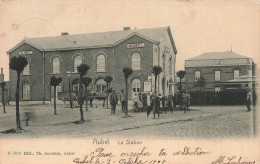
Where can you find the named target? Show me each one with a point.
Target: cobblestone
(200, 122)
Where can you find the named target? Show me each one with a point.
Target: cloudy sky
(197, 26)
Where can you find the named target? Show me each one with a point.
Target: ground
(200, 122)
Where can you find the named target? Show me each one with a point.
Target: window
(56, 65)
(217, 89)
(197, 75)
(170, 65)
(77, 62)
(136, 61)
(26, 90)
(75, 85)
(101, 85)
(236, 74)
(101, 63)
(217, 75)
(26, 70)
(164, 62)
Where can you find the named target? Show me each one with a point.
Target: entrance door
(136, 87)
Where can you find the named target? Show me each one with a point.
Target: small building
(107, 53)
(222, 71)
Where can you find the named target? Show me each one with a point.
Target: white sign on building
(147, 86)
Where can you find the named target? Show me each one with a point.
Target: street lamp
(69, 76)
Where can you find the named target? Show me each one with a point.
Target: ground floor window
(75, 85)
(101, 86)
(217, 89)
(26, 90)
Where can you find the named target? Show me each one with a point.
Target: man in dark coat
(123, 100)
(113, 101)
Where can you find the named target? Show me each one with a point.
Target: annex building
(222, 71)
(107, 53)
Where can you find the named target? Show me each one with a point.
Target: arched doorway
(136, 87)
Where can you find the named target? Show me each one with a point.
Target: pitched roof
(218, 55)
(92, 40)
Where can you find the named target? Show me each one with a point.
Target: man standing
(113, 101)
(248, 100)
(170, 102)
(123, 100)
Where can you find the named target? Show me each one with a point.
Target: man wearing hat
(113, 101)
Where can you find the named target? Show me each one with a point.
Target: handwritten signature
(232, 160)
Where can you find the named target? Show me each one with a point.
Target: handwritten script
(140, 156)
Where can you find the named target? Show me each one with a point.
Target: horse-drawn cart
(90, 96)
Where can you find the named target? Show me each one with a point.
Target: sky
(197, 26)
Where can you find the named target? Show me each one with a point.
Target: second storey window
(170, 65)
(56, 65)
(217, 75)
(236, 74)
(136, 61)
(77, 62)
(26, 70)
(101, 63)
(164, 58)
(197, 75)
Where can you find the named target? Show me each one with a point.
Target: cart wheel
(75, 103)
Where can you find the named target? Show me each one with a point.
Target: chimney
(64, 33)
(127, 28)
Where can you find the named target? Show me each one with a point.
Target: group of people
(146, 102)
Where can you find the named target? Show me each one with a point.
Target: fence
(226, 97)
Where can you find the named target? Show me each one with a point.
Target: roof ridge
(165, 27)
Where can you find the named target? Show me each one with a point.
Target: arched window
(164, 58)
(101, 63)
(26, 70)
(136, 58)
(170, 65)
(77, 62)
(26, 90)
(56, 65)
(101, 86)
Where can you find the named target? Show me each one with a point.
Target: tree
(127, 72)
(54, 82)
(201, 82)
(86, 81)
(181, 75)
(2, 85)
(82, 70)
(156, 70)
(108, 79)
(18, 64)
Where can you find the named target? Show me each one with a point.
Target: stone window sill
(25, 74)
(55, 73)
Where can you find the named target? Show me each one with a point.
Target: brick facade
(207, 68)
(117, 57)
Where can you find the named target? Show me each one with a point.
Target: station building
(222, 71)
(107, 53)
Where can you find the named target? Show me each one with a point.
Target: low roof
(92, 40)
(218, 55)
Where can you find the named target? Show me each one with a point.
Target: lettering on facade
(135, 45)
(25, 53)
